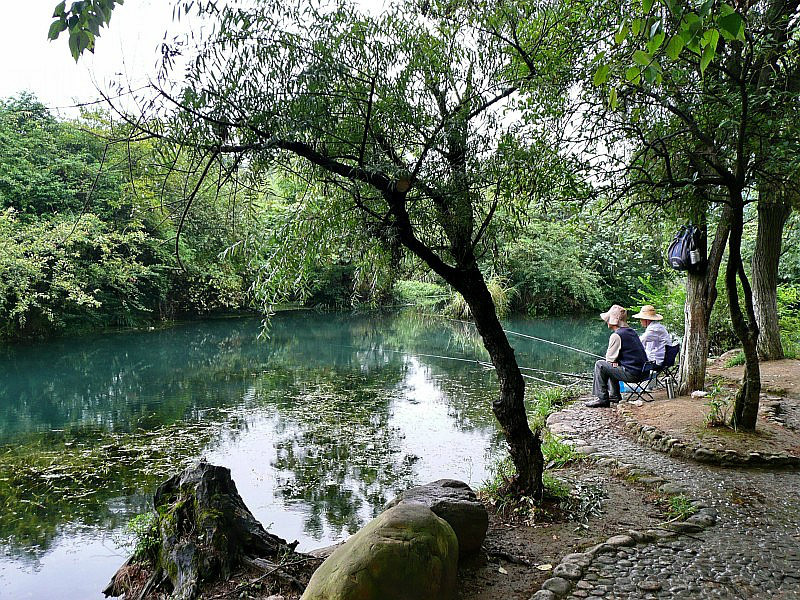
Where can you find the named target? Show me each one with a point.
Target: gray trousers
(607, 378)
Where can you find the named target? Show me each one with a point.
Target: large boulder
(406, 553)
(455, 502)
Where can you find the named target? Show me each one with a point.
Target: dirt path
(777, 376)
(521, 557)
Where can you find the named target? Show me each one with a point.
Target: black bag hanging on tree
(684, 251)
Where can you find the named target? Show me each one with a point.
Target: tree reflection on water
(91, 424)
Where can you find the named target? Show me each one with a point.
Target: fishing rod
(525, 335)
(535, 370)
(538, 339)
(561, 373)
(563, 385)
(481, 363)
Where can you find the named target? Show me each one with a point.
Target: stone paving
(752, 552)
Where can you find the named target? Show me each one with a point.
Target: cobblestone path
(752, 552)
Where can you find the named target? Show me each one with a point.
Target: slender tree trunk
(525, 446)
(701, 294)
(694, 349)
(776, 186)
(746, 408)
(772, 216)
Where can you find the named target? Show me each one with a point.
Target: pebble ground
(752, 552)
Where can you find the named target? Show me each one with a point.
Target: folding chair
(667, 371)
(638, 390)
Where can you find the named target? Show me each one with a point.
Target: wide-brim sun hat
(648, 313)
(616, 315)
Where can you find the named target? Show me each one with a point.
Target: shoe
(614, 400)
(597, 403)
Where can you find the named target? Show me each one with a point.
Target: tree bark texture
(509, 408)
(701, 294)
(772, 216)
(746, 407)
(205, 533)
(694, 350)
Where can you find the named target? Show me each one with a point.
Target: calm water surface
(321, 422)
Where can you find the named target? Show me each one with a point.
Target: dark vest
(631, 355)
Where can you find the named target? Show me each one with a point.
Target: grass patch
(680, 508)
(736, 360)
(495, 490)
(144, 541)
(502, 296)
(557, 454)
(542, 401)
(562, 501)
(718, 407)
(419, 293)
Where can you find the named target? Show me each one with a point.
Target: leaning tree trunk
(701, 294)
(509, 408)
(457, 219)
(772, 215)
(745, 410)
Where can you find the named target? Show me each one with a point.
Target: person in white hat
(655, 336)
(625, 359)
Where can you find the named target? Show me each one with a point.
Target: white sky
(32, 63)
(126, 51)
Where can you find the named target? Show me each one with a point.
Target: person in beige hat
(655, 336)
(625, 359)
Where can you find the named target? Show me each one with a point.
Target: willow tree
(402, 125)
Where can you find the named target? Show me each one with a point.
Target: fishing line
(538, 339)
(481, 363)
(525, 335)
(561, 373)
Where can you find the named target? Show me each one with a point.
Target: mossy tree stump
(204, 533)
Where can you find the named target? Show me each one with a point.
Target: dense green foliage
(82, 245)
(87, 234)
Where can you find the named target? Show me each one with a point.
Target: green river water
(321, 422)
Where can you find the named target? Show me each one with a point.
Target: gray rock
(455, 502)
(582, 559)
(620, 540)
(660, 534)
(703, 520)
(598, 549)
(671, 488)
(568, 570)
(639, 536)
(406, 553)
(557, 585)
(705, 455)
(544, 595)
(649, 585)
(652, 480)
(684, 527)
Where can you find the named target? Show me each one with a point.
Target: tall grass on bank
(502, 296)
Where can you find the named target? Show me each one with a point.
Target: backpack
(683, 253)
